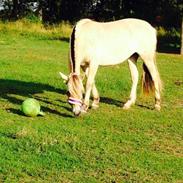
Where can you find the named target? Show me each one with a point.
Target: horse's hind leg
(134, 76)
(96, 98)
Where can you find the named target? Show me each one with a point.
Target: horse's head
(75, 91)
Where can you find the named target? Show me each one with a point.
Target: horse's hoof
(126, 107)
(83, 109)
(95, 106)
(128, 104)
(157, 107)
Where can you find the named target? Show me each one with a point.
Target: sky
(1, 5)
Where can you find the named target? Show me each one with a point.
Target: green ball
(31, 107)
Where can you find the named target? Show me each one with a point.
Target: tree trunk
(181, 51)
(14, 13)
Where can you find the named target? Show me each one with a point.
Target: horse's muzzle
(76, 110)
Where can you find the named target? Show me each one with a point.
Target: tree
(180, 7)
(14, 13)
(15, 9)
(177, 6)
(75, 10)
(181, 50)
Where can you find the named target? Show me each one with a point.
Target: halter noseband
(72, 100)
(75, 101)
(73, 74)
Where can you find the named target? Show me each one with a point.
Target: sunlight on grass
(105, 145)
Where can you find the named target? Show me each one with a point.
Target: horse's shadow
(120, 104)
(111, 101)
(14, 91)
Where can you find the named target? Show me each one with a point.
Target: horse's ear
(64, 77)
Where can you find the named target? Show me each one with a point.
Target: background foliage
(166, 15)
(159, 12)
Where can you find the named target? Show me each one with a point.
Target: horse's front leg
(90, 86)
(134, 75)
(96, 97)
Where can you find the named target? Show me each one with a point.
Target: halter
(73, 74)
(75, 101)
(72, 100)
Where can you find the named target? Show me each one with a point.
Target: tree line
(165, 13)
(161, 12)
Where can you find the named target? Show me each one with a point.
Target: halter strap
(74, 74)
(75, 101)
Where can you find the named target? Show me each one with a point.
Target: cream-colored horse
(95, 44)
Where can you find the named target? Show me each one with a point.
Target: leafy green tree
(166, 13)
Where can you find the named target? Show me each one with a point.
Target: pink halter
(75, 101)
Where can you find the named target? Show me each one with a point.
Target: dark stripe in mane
(73, 49)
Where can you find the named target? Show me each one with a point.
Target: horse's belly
(107, 51)
(113, 56)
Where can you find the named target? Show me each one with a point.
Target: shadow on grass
(9, 88)
(111, 101)
(118, 103)
(65, 39)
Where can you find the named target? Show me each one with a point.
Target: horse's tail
(147, 81)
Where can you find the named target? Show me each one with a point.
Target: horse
(94, 44)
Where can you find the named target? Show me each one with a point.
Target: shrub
(33, 28)
(168, 40)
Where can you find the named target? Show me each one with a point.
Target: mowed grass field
(105, 145)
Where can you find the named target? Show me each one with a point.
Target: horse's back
(130, 24)
(115, 40)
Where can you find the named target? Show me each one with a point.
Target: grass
(105, 145)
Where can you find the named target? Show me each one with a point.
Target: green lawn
(105, 145)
